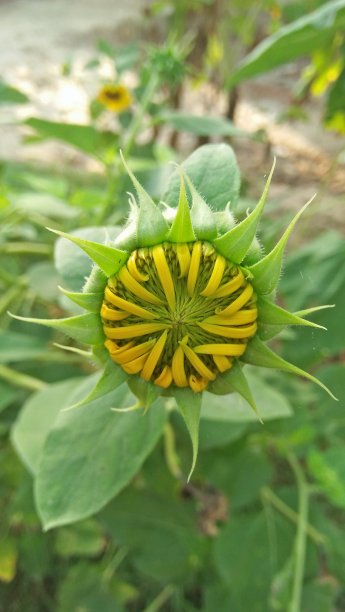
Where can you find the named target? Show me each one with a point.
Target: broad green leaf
(84, 539)
(36, 419)
(11, 95)
(19, 347)
(155, 526)
(105, 450)
(328, 469)
(83, 137)
(43, 280)
(189, 405)
(85, 328)
(8, 395)
(266, 272)
(214, 434)
(200, 126)
(107, 258)
(89, 301)
(151, 227)
(301, 37)
(84, 588)
(182, 228)
(214, 173)
(234, 380)
(45, 204)
(235, 244)
(257, 353)
(233, 408)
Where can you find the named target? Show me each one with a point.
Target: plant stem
(161, 598)
(290, 514)
(301, 534)
(170, 452)
(21, 380)
(26, 247)
(135, 124)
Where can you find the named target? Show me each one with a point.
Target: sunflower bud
(181, 300)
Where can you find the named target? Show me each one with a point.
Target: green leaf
(84, 539)
(257, 353)
(84, 587)
(266, 272)
(200, 125)
(234, 408)
(83, 137)
(36, 419)
(328, 469)
(182, 228)
(19, 347)
(45, 204)
(303, 36)
(214, 173)
(152, 228)
(107, 258)
(11, 95)
(203, 220)
(7, 395)
(105, 450)
(90, 301)
(85, 328)
(189, 405)
(235, 244)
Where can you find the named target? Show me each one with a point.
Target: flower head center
(178, 314)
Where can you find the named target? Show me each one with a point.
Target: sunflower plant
(173, 309)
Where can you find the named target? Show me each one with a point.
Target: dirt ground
(39, 36)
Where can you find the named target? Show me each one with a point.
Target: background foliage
(259, 527)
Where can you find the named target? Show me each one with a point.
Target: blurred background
(79, 81)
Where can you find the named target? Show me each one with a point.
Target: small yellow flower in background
(115, 98)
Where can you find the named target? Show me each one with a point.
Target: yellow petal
(113, 315)
(133, 352)
(183, 256)
(132, 285)
(222, 362)
(230, 286)
(135, 366)
(132, 331)
(197, 384)
(165, 378)
(215, 278)
(197, 363)
(239, 318)
(232, 350)
(133, 270)
(164, 274)
(154, 356)
(246, 331)
(143, 313)
(194, 268)
(178, 371)
(243, 298)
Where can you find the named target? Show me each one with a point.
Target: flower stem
(21, 380)
(170, 452)
(301, 534)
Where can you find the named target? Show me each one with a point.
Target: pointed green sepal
(151, 227)
(75, 350)
(111, 377)
(308, 311)
(224, 220)
(109, 259)
(266, 272)
(85, 328)
(235, 244)
(182, 228)
(236, 378)
(189, 405)
(146, 392)
(203, 221)
(272, 314)
(257, 353)
(90, 301)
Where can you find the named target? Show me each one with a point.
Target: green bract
(183, 296)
